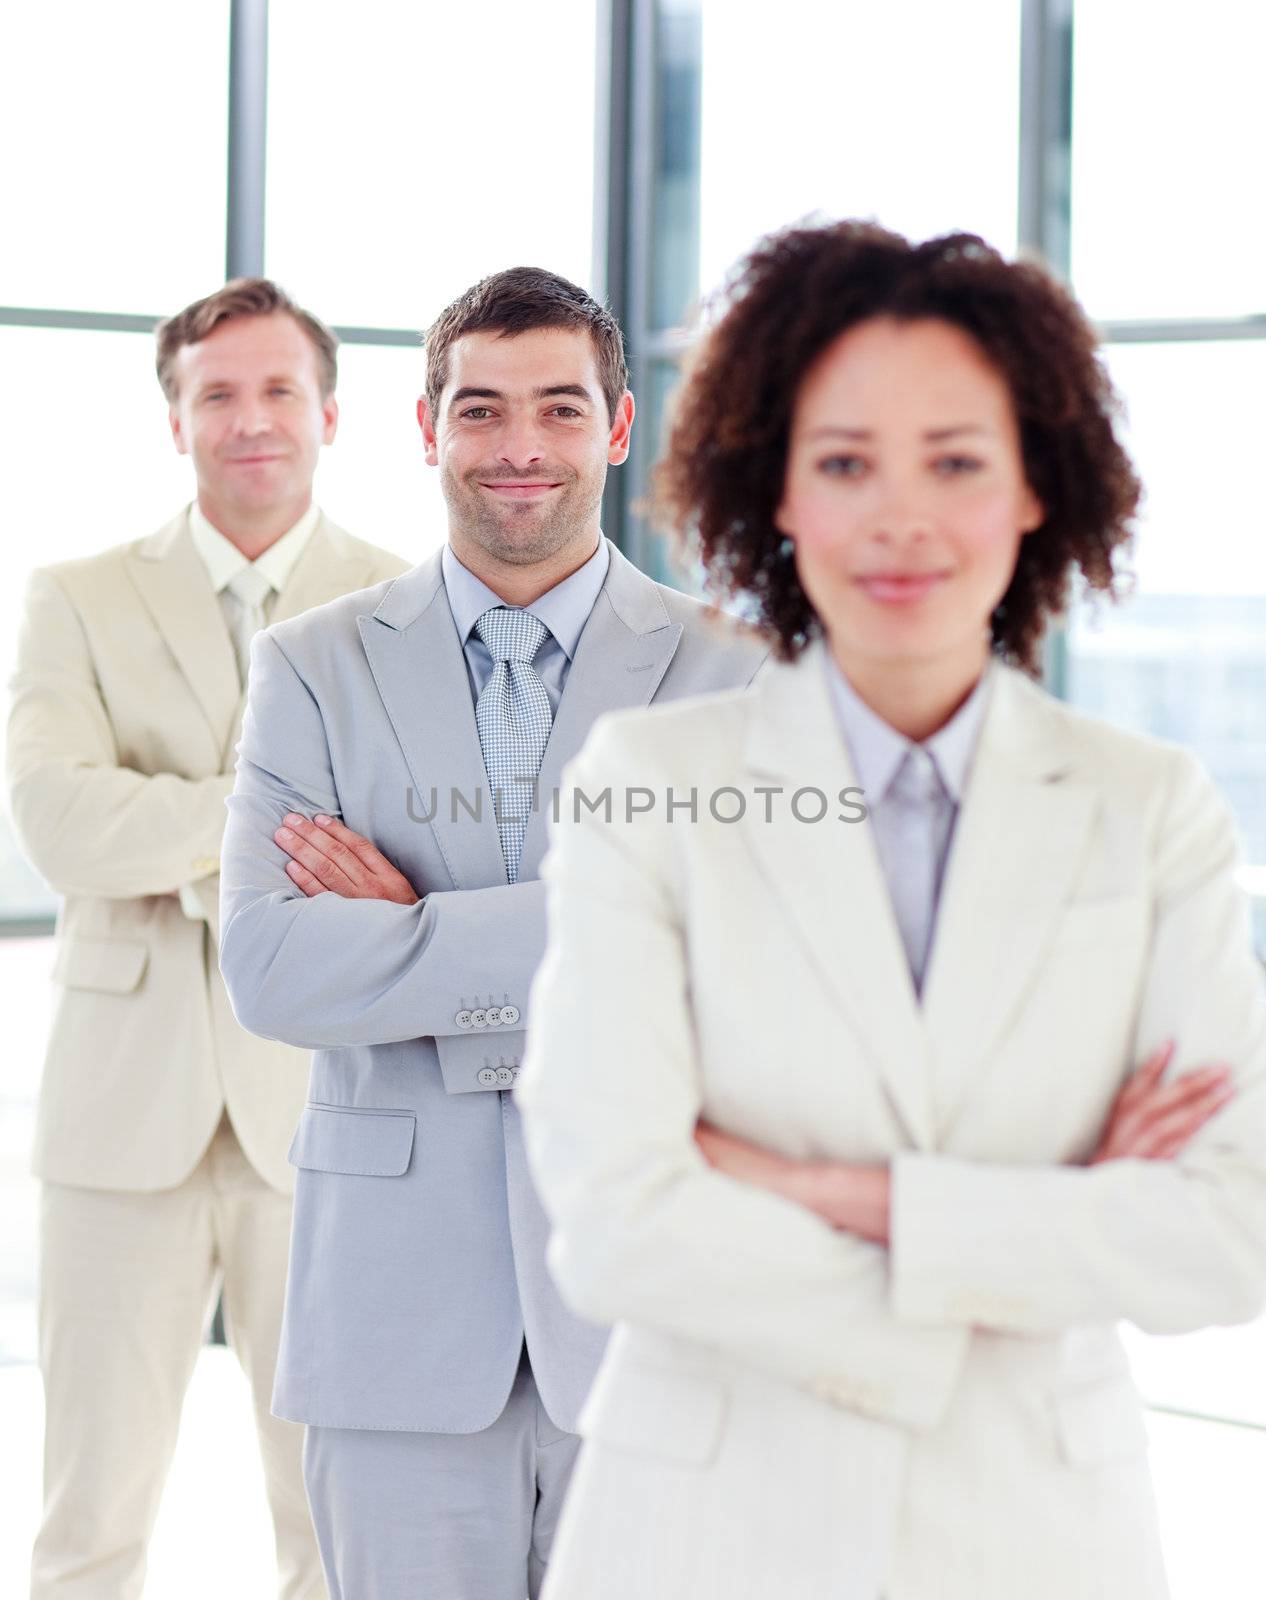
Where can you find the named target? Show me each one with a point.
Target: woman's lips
(900, 588)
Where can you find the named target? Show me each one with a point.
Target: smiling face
(250, 413)
(523, 440)
(905, 497)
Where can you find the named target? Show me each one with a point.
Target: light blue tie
(916, 805)
(514, 718)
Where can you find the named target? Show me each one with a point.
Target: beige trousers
(127, 1281)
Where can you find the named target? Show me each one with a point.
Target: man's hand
(327, 858)
(1155, 1121)
(852, 1198)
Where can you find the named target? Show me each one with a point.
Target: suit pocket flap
(367, 1143)
(672, 1416)
(111, 966)
(1100, 1423)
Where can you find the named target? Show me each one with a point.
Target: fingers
(304, 880)
(311, 848)
(363, 849)
(1171, 1128)
(1141, 1082)
(1162, 1125)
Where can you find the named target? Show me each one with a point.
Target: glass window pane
(96, 465)
(905, 113)
(653, 551)
(674, 155)
(373, 480)
(1169, 125)
(414, 152)
(1185, 656)
(114, 122)
(127, 480)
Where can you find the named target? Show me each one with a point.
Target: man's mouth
(519, 489)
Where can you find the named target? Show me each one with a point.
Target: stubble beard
(522, 534)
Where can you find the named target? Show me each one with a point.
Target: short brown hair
(518, 301)
(241, 297)
(721, 479)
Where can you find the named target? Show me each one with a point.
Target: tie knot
(511, 635)
(250, 587)
(917, 780)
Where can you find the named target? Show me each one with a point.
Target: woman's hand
(1155, 1121)
(852, 1198)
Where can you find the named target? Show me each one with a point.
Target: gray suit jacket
(418, 1252)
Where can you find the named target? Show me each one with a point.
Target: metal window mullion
(247, 152)
(1044, 209)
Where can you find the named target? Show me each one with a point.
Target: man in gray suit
(424, 1344)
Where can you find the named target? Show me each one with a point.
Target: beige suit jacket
(791, 1410)
(126, 712)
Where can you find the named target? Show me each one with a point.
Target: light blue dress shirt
(913, 793)
(564, 610)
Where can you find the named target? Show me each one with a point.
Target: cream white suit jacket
(125, 715)
(786, 1409)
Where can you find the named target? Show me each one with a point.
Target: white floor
(213, 1537)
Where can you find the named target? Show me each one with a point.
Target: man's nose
(520, 444)
(251, 417)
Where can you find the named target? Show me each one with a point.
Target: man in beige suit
(163, 1126)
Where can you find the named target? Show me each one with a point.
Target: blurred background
(376, 160)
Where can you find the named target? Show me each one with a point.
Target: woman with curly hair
(841, 1121)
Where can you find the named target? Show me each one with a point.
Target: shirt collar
(878, 749)
(564, 609)
(223, 560)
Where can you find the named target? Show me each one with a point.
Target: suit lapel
(827, 879)
(1018, 845)
(623, 654)
(416, 658)
(327, 568)
(173, 585)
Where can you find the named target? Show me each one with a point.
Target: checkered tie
(514, 717)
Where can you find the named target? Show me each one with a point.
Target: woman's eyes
(841, 466)
(850, 466)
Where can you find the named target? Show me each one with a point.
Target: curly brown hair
(720, 480)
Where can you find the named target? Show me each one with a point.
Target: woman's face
(905, 495)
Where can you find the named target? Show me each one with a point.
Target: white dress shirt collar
(878, 749)
(223, 560)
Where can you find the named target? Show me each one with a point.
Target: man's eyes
(481, 413)
(277, 389)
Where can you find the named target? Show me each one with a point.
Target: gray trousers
(440, 1516)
